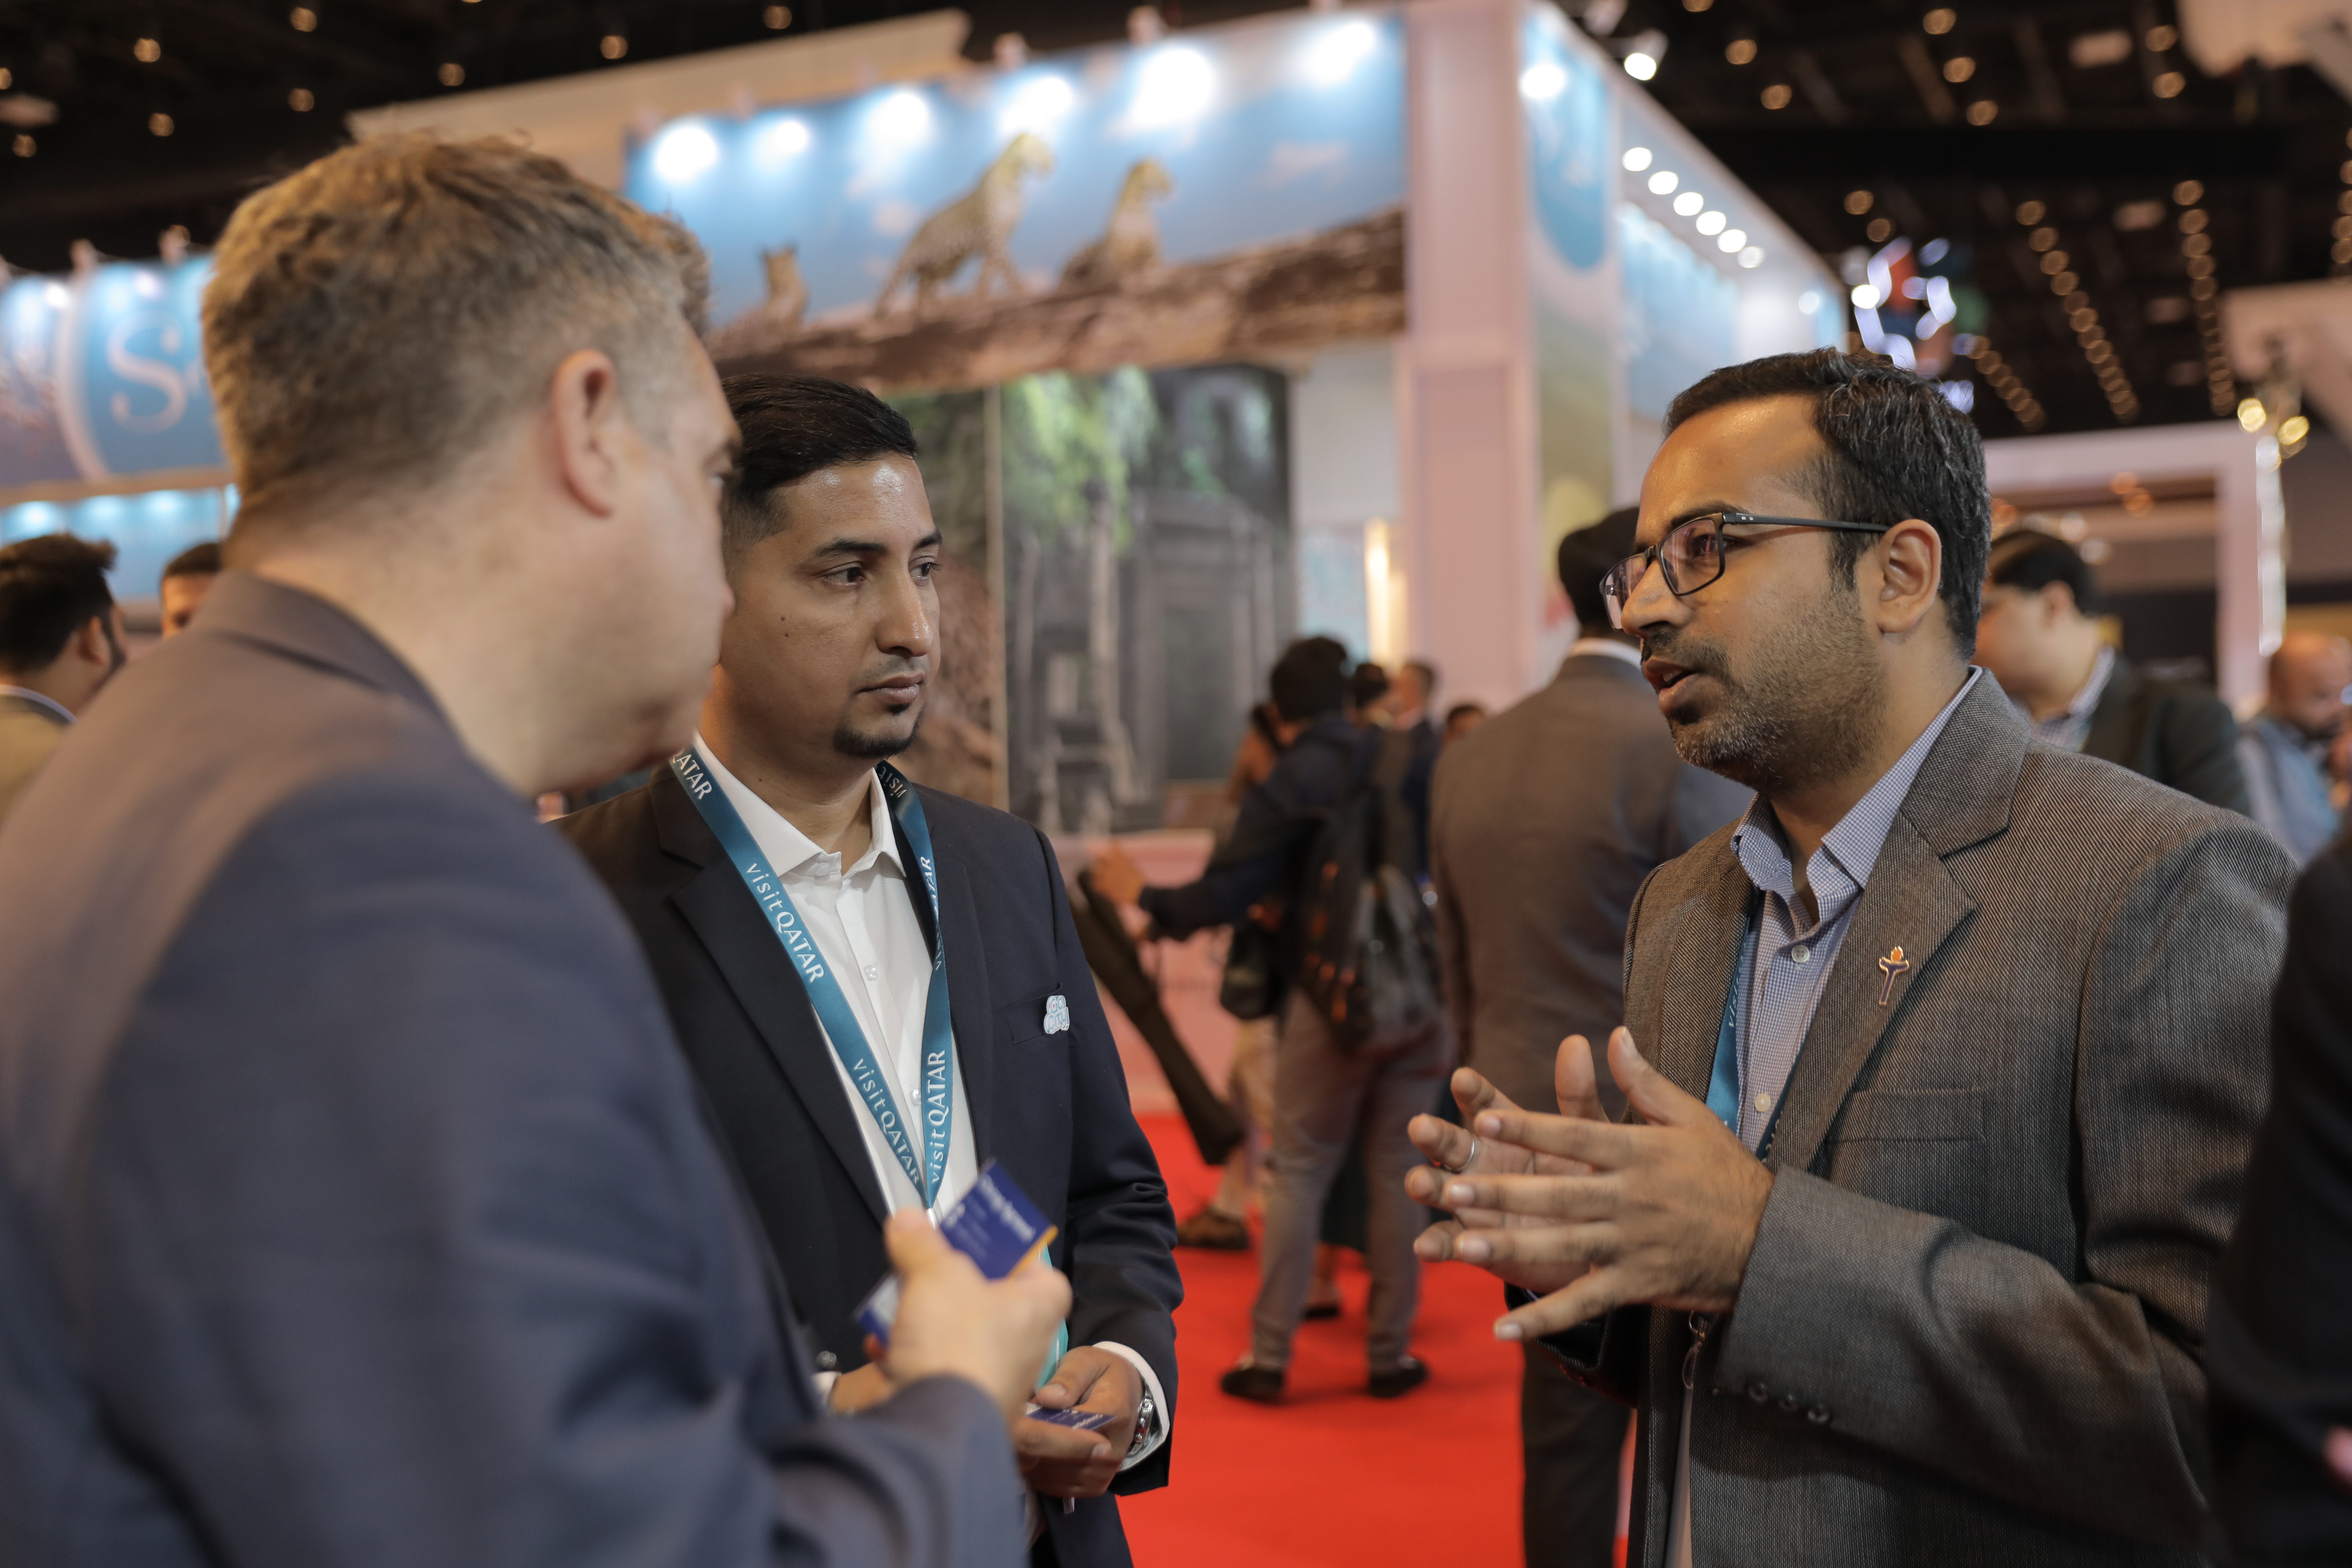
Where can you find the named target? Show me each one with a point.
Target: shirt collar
(38, 700)
(2102, 668)
(1605, 647)
(790, 850)
(1841, 868)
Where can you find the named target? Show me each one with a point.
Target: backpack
(1368, 947)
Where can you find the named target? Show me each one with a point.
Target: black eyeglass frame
(1618, 582)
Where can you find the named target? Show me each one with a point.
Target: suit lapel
(1911, 902)
(1702, 953)
(969, 1002)
(723, 915)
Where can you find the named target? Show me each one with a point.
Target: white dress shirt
(862, 918)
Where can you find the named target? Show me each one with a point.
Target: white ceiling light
(1664, 182)
(1752, 256)
(1542, 81)
(683, 152)
(1176, 84)
(1639, 66)
(1637, 159)
(1731, 240)
(1688, 204)
(1712, 222)
(901, 117)
(1335, 56)
(780, 141)
(1865, 297)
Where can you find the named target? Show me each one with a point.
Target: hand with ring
(1456, 1150)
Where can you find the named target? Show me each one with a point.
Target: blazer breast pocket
(1922, 1149)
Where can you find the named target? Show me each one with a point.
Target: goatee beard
(1806, 711)
(873, 746)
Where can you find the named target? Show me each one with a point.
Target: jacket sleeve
(1453, 941)
(1121, 1251)
(1271, 830)
(2282, 1362)
(2200, 737)
(2081, 1394)
(404, 1242)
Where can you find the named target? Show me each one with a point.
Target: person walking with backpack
(1363, 1042)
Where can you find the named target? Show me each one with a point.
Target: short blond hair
(375, 318)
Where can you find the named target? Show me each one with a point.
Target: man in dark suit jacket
(2040, 638)
(2282, 1358)
(831, 549)
(1548, 817)
(1949, 1051)
(355, 1207)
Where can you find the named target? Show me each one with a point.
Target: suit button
(1758, 1392)
(826, 1361)
(1819, 1416)
(1790, 1402)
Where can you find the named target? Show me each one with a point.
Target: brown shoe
(1214, 1232)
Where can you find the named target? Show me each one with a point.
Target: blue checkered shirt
(1790, 962)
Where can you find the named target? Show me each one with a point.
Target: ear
(2057, 603)
(591, 430)
(1911, 573)
(90, 644)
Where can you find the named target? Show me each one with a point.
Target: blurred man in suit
(188, 579)
(1546, 821)
(2282, 1360)
(60, 640)
(1002, 1046)
(1949, 1051)
(2040, 638)
(2284, 749)
(355, 1205)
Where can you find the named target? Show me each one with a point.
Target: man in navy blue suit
(878, 985)
(355, 1207)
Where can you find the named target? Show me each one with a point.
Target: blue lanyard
(928, 1174)
(1726, 1083)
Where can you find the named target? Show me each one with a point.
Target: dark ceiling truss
(2100, 146)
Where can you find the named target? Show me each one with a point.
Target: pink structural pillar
(1466, 426)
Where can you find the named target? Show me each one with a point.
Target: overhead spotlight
(303, 19)
(452, 74)
(1880, 230)
(2193, 221)
(1712, 222)
(2188, 193)
(1958, 68)
(1740, 51)
(1638, 159)
(1864, 297)
(24, 146)
(147, 51)
(1640, 67)
(683, 152)
(300, 101)
(2252, 416)
(1664, 182)
(1983, 111)
(158, 124)
(612, 46)
(2169, 84)
(2161, 38)
(1731, 241)
(1777, 95)
(1858, 202)
(777, 18)
(1175, 84)
(1688, 204)
(1940, 20)
(2030, 213)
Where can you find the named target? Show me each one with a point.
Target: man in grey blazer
(355, 1202)
(1546, 820)
(1949, 1052)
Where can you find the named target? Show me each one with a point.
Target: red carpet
(1333, 1476)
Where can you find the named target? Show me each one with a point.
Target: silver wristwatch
(1147, 1422)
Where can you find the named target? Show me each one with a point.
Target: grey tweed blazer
(1971, 1331)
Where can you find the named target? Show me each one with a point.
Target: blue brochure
(993, 1224)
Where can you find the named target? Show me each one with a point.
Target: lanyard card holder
(993, 1224)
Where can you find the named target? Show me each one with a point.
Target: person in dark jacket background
(1323, 1095)
(2040, 638)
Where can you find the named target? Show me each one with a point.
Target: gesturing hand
(1665, 1213)
(1453, 1149)
(1061, 1461)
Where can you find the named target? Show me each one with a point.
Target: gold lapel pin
(1893, 965)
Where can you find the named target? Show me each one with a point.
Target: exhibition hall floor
(1333, 1476)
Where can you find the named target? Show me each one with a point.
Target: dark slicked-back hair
(1897, 449)
(1309, 680)
(50, 587)
(795, 425)
(196, 560)
(2031, 561)
(1586, 556)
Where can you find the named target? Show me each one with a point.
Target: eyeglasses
(1691, 554)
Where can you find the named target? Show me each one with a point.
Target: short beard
(872, 746)
(1807, 708)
